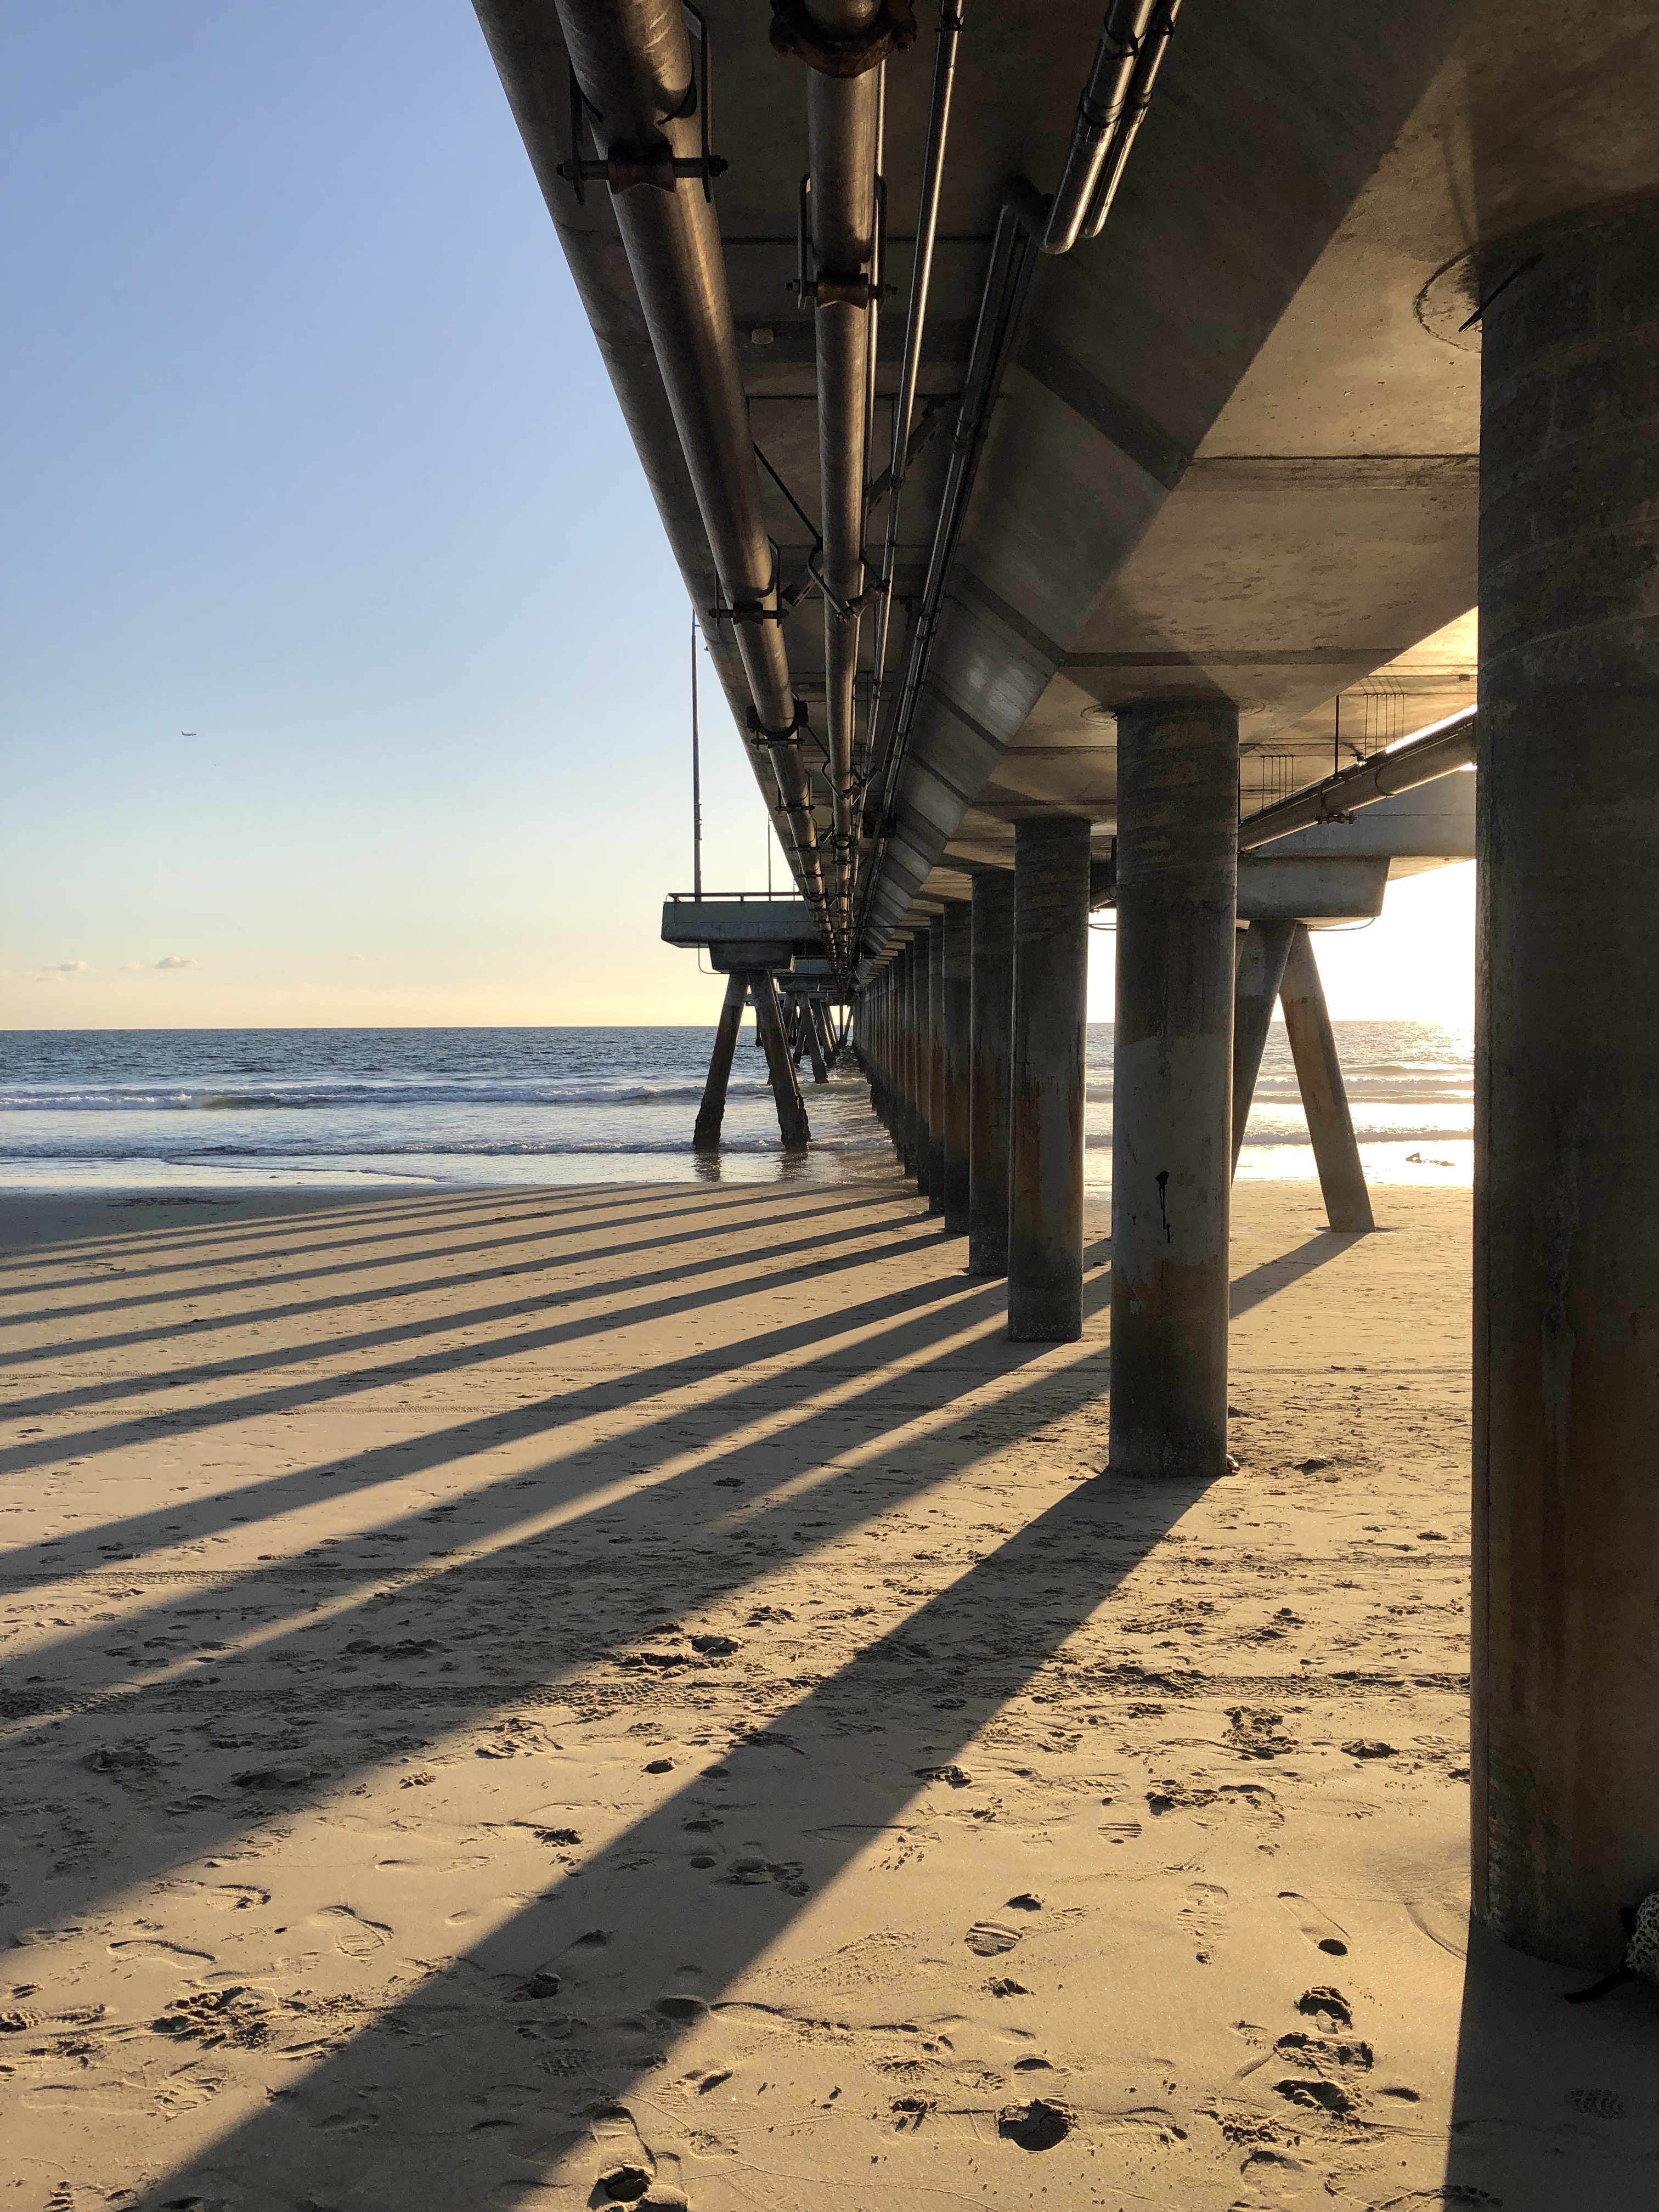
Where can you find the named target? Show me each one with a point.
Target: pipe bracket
(794, 32)
(761, 737)
(824, 290)
(747, 611)
(625, 167)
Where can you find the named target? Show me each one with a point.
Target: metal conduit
(921, 272)
(1100, 110)
(1154, 46)
(632, 59)
(1007, 281)
(1110, 111)
(1385, 775)
(842, 130)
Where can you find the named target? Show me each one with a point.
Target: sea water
(142, 1108)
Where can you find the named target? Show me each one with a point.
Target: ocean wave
(321, 1155)
(589, 1090)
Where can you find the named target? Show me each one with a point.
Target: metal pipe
(1385, 775)
(1100, 111)
(1006, 285)
(1154, 45)
(947, 40)
(842, 119)
(632, 60)
(1026, 220)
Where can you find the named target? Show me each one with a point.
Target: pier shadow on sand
(820, 1773)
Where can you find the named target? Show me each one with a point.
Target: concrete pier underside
(1236, 454)
(528, 1682)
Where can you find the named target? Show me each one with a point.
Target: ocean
(151, 1109)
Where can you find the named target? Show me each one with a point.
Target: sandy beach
(530, 1698)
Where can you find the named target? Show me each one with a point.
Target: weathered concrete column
(904, 1121)
(1324, 1094)
(793, 1125)
(934, 1077)
(1045, 1122)
(1566, 1278)
(706, 1137)
(1177, 892)
(993, 995)
(1261, 966)
(920, 1141)
(813, 1041)
(956, 989)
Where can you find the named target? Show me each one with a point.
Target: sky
(344, 668)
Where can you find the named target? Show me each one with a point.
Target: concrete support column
(935, 1073)
(992, 1012)
(793, 1125)
(1045, 1148)
(1261, 966)
(957, 996)
(813, 1041)
(1177, 890)
(1566, 1283)
(706, 1137)
(919, 1063)
(1324, 1094)
(905, 1125)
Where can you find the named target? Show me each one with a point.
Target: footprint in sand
(989, 1938)
(357, 1937)
(1320, 1931)
(1328, 2007)
(626, 2171)
(1120, 1831)
(167, 1954)
(1202, 1915)
(222, 1897)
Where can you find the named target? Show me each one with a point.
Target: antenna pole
(697, 777)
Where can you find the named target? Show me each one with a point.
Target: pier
(907, 1681)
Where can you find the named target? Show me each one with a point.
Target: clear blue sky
(342, 664)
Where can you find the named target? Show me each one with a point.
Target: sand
(514, 1699)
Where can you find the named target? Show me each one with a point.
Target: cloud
(55, 970)
(356, 956)
(172, 960)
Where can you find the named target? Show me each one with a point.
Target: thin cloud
(172, 960)
(55, 970)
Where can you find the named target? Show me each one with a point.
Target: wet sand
(518, 1699)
